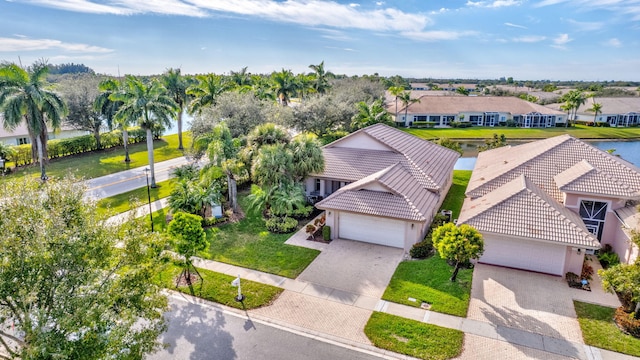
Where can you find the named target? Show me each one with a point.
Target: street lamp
(146, 173)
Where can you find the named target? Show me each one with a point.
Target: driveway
(533, 302)
(355, 267)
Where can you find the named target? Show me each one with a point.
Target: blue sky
(524, 39)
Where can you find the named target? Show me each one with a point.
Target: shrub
(326, 233)
(302, 213)
(608, 259)
(627, 322)
(422, 250)
(320, 221)
(310, 229)
(281, 224)
(587, 271)
(211, 221)
(572, 278)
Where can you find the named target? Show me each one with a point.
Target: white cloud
(495, 3)
(628, 8)
(335, 35)
(354, 5)
(440, 11)
(437, 35)
(562, 39)
(26, 44)
(124, 7)
(613, 42)
(529, 39)
(515, 25)
(585, 26)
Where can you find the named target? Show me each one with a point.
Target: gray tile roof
(586, 179)
(519, 208)
(459, 104)
(413, 172)
(630, 216)
(542, 160)
(619, 105)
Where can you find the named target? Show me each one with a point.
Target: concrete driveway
(355, 267)
(533, 302)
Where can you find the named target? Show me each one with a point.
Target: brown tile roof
(413, 171)
(520, 208)
(586, 179)
(542, 160)
(459, 104)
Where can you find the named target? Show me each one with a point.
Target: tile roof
(413, 171)
(520, 208)
(460, 104)
(586, 179)
(542, 160)
(619, 105)
(630, 217)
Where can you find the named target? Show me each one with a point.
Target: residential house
(478, 111)
(622, 111)
(382, 185)
(543, 205)
(20, 135)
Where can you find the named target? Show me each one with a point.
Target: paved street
(128, 180)
(198, 331)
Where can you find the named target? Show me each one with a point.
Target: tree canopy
(458, 244)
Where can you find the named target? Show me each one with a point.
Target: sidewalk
(142, 210)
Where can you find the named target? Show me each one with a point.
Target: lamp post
(146, 173)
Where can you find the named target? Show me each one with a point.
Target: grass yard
(599, 330)
(413, 338)
(455, 196)
(247, 243)
(579, 131)
(100, 163)
(217, 287)
(428, 281)
(122, 202)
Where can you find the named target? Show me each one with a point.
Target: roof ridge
(523, 187)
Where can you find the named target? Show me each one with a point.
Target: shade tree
(458, 244)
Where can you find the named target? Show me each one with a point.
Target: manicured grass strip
(247, 243)
(413, 338)
(579, 131)
(455, 196)
(100, 163)
(599, 329)
(428, 281)
(122, 202)
(217, 287)
(159, 220)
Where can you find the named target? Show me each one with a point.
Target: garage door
(526, 255)
(371, 229)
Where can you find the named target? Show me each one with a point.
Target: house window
(23, 140)
(593, 214)
(420, 118)
(317, 185)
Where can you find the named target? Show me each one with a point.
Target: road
(200, 332)
(128, 180)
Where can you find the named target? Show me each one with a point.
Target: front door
(593, 214)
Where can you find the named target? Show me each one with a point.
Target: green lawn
(428, 281)
(122, 202)
(579, 131)
(247, 243)
(217, 287)
(100, 163)
(599, 330)
(413, 338)
(455, 196)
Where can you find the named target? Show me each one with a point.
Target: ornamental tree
(72, 287)
(186, 230)
(458, 244)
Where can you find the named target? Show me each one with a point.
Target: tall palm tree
(307, 156)
(596, 109)
(284, 85)
(321, 83)
(406, 99)
(370, 114)
(241, 79)
(23, 98)
(150, 106)
(108, 107)
(396, 91)
(205, 92)
(176, 86)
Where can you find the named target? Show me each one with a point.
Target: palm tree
(241, 79)
(176, 86)
(108, 107)
(370, 114)
(23, 98)
(205, 91)
(261, 87)
(596, 108)
(150, 106)
(304, 85)
(307, 156)
(321, 84)
(406, 99)
(284, 85)
(396, 91)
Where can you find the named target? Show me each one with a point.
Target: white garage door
(527, 255)
(371, 229)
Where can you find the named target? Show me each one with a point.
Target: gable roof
(460, 104)
(542, 160)
(617, 105)
(403, 182)
(586, 179)
(520, 208)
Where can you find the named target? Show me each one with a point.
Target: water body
(628, 150)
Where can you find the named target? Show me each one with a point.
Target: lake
(628, 150)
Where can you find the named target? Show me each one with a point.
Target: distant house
(541, 206)
(382, 185)
(478, 111)
(20, 135)
(622, 111)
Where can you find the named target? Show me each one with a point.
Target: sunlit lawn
(123, 202)
(100, 163)
(599, 329)
(455, 196)
(579, 131)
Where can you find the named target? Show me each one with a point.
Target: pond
(628, 150)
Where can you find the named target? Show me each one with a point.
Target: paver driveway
(355, 267)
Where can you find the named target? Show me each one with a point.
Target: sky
(593, 40)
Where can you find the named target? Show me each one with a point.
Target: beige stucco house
(541, 206)
(382, 185)
(616, 112)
